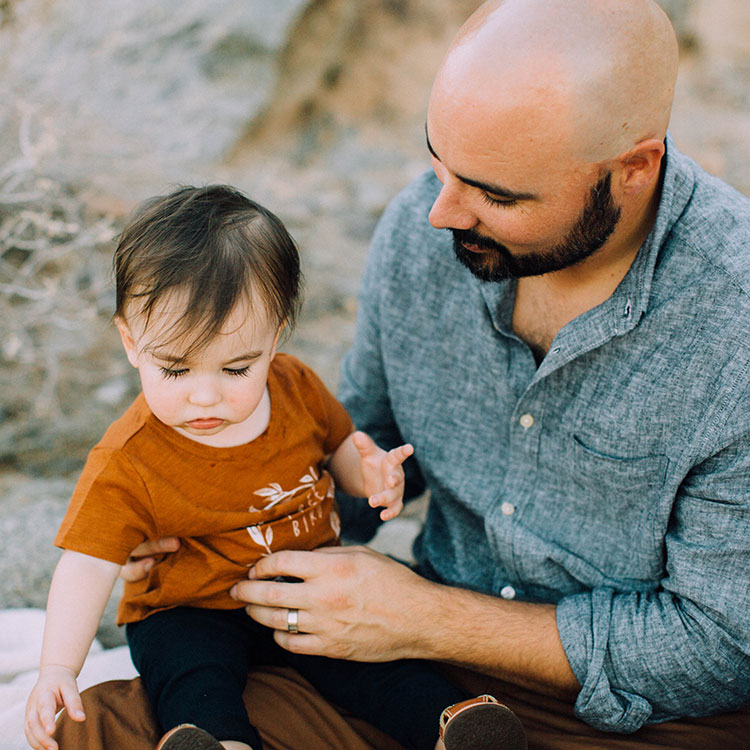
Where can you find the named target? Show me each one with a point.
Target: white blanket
(20, 645)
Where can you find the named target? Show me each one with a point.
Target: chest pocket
(618, 500)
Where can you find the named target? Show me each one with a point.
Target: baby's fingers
(398, 455)
(364, 444)
(72, 702)
(40, 724)
(391, 503)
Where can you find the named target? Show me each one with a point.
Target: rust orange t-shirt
(229, 506)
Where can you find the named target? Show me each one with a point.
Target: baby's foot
(481, 724)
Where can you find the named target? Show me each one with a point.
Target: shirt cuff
(584, 624)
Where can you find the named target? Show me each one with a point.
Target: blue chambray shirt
(613, 479)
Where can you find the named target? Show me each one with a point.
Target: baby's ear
(128, 342)
(280, 330)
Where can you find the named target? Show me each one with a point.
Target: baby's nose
(204, 393)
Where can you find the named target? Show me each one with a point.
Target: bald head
(590, 78)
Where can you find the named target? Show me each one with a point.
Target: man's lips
(205, 424)
(472, 247)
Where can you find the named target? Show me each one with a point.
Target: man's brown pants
(291, 715)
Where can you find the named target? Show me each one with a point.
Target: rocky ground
(314, 108)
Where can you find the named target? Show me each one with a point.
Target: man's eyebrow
(500, 192)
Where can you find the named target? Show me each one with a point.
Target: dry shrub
(55, 303)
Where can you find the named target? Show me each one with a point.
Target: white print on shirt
(277, 494)
(306, 520)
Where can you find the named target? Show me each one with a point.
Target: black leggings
(194, 665)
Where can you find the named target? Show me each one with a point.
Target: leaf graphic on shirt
(269, 536)
(310, 478)
(277, 494)
(257, 536)
(273, 489)
(335, 523)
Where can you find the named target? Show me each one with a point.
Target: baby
(231, 447)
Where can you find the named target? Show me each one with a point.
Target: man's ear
(641, 166)
(128, 343)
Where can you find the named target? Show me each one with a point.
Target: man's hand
(142, 558)
(353, 602)
(55, 688)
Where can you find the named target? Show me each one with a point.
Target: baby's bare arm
(80, 588)
(79, 592)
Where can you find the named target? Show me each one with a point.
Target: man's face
(517, 195)
(490, 260)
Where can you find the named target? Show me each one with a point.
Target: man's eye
(173, 374)
(240, 372)
(507, 202)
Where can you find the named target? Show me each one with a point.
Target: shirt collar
(632, 294)
(629, 302)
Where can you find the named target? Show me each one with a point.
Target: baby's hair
(215, 245)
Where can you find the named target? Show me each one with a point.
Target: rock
(140, 85)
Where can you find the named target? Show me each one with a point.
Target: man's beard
(592, 229)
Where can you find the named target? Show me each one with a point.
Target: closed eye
(171, 374)
(507, 202)
(239, 372)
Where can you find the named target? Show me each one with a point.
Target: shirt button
(507, 509)
(526, 421)
(508, 592)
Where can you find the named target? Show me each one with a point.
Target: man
(571, 362)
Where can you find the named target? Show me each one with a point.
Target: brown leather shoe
(188, 737)
(481, 724)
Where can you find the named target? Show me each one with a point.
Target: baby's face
(217, 395)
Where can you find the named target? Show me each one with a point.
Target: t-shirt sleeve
(340, 424)
(330, 412)
(110, 511)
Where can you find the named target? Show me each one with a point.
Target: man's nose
(448, 210)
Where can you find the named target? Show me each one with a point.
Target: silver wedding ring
(292, 620)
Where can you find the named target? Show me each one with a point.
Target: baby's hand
(382, 474)
(55, 688)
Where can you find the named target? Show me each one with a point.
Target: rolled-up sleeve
(683, 649)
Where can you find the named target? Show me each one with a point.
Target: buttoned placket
(591, 330)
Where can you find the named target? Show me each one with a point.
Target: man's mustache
(472, 237)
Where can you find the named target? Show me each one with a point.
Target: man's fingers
(136, 570)
(141, 559)
(300, 643)
(295, 563)
(277, 618)
(156, 547)
(271, 594)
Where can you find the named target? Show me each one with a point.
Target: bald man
(557, 317)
